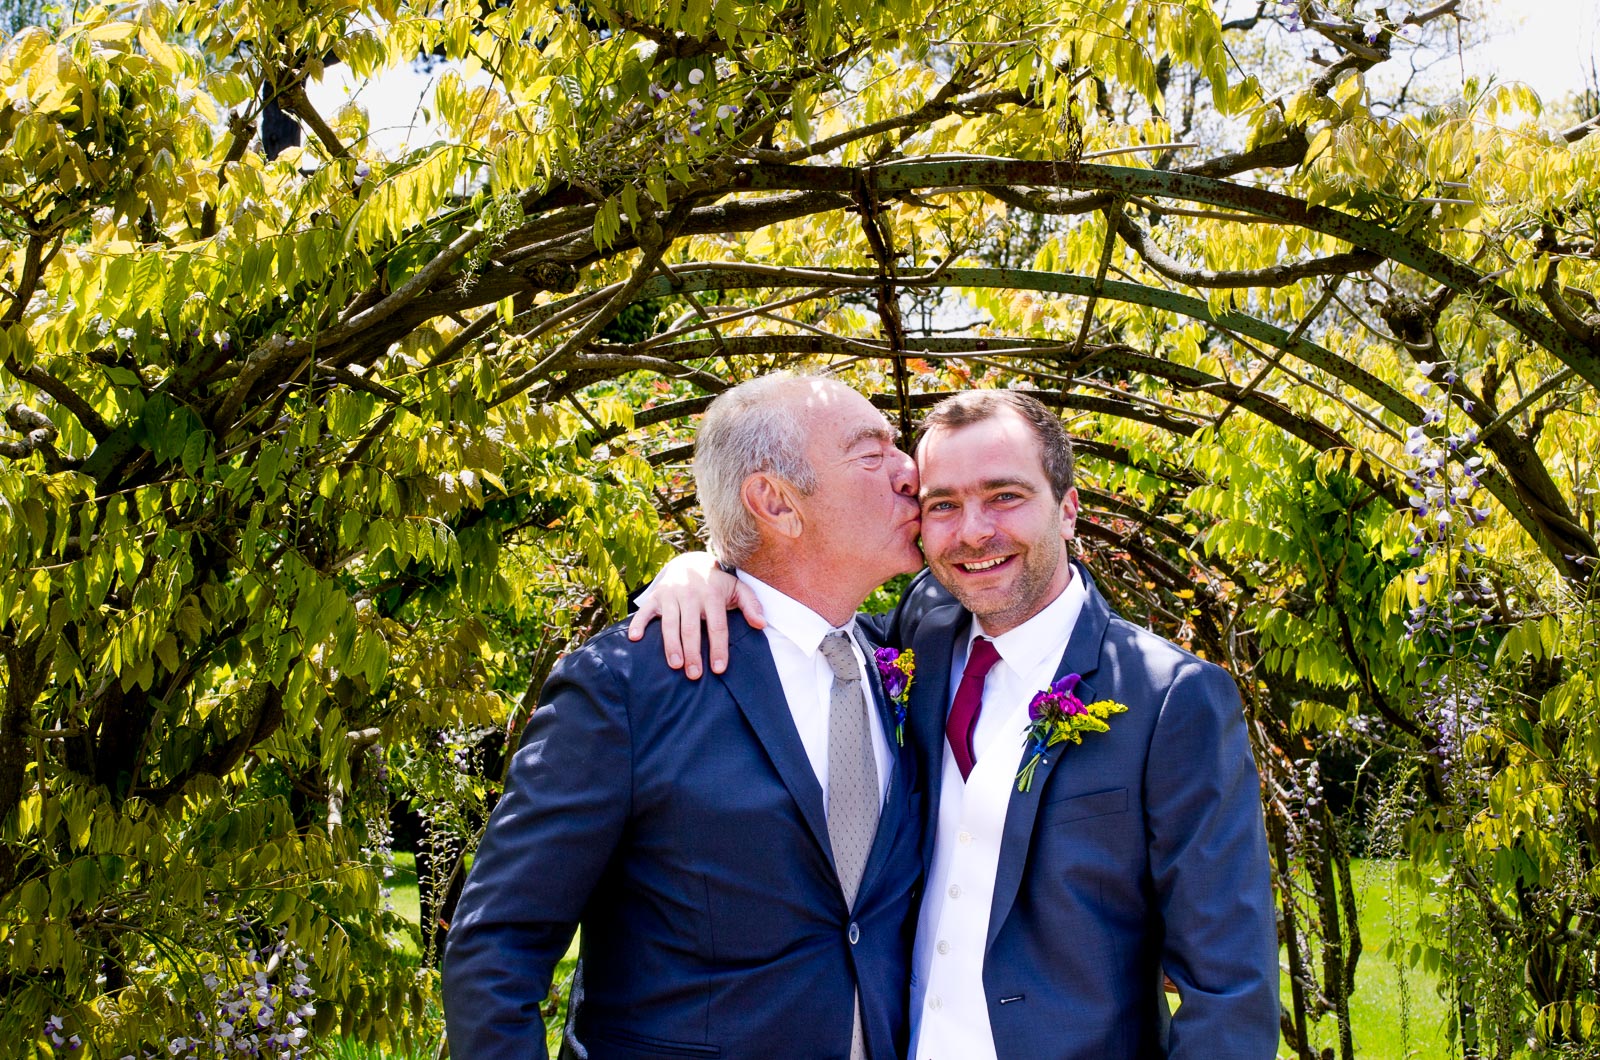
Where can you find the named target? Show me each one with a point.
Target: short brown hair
(975, 406)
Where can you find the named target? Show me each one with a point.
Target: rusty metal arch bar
(1125, 181)
(715, 276)
(700, 277)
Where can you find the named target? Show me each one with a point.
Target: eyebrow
(986, 486)
(878, 434)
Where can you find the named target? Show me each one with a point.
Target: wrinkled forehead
(836, 416)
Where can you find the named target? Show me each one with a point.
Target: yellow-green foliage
(312, 464)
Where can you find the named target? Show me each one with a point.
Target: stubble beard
(1000, 612)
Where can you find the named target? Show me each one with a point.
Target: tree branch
(600, 358)
(28, 282)
(642, 272)
(39, 434)
(63, 394)
(1560, 310)
(293, 99)
(939, 106)
(1422, 18)
(265, 715)
(1280, 275)
(670, 45)
(269, 360)
(241, 129)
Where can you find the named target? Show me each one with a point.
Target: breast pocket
(626, 1045)
(1079, 807)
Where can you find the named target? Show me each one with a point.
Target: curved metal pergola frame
(1541, 512)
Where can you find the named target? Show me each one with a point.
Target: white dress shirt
(949, 1010)
(794, 633)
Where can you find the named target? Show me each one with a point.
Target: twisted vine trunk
(26, 668)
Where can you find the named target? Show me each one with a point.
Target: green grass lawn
(1395, 1011)
(406, 900)
(403, 888)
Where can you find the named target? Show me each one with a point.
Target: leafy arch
(318, 455)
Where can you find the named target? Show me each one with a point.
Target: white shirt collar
(1042, 636)
(806, 679)
(788, 616)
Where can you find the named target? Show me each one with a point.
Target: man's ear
(1069, 514)
(770, 501)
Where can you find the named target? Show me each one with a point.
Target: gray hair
(748, 430)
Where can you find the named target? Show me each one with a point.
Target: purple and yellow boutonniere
(1059, 715)
(897, 667)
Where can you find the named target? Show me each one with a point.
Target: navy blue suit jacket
(680, 823)
(1138, 850)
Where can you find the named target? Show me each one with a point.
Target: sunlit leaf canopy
(640, 152)
(330, 445)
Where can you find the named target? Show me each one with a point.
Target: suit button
(855, 933)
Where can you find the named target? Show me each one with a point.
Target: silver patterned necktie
(853, 801)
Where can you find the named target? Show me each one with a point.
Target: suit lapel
(752, 680)
(894, 803)
(933, 644)
(1082, 657)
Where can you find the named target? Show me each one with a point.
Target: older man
(1058, 894)
(740, 853)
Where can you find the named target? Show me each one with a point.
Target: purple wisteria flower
(261, 1015)
(56, 1028)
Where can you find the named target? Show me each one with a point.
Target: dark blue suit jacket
(1138, 850)
(680, 823)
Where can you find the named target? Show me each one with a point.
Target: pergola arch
(1549, 526)
(303, 452)
(549, 250)
(1120, 182)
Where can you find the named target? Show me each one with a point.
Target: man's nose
(976, 525)
(906, 480)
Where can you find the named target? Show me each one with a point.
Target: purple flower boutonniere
(897, 667)
(1059, 715)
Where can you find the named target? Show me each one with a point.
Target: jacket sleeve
(1210, 867)
(895, 629)
(556, 827)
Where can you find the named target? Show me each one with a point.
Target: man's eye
(938, 506)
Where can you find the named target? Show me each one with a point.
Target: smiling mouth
(982, 565)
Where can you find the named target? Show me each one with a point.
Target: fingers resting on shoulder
(692, 596)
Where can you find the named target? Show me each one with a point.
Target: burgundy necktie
(969, 699)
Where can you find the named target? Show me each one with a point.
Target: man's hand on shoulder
(690, 592)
